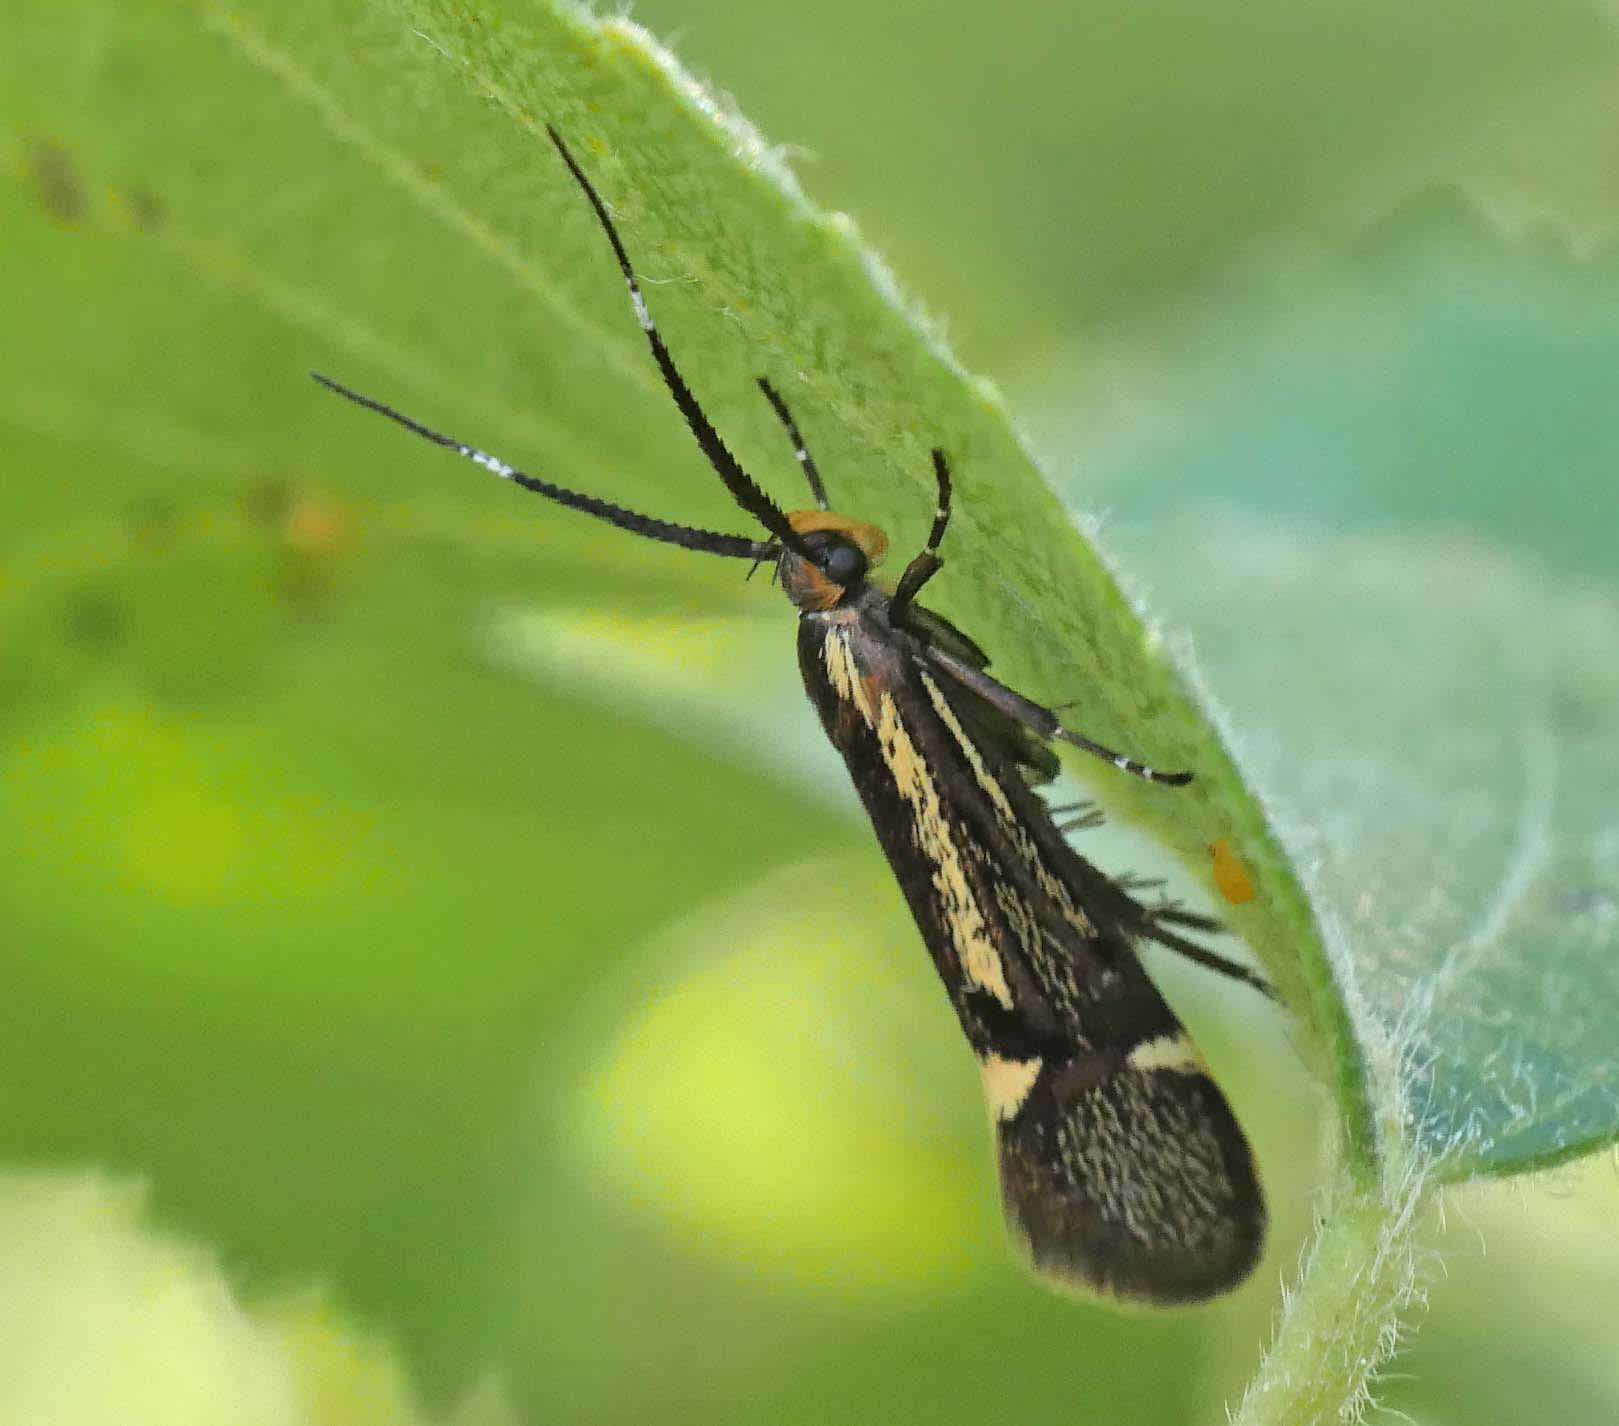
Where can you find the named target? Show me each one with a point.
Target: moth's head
(841, 552)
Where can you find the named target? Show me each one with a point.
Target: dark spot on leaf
(1581, 712)
(1594, 903)
(95, 620)
(57, 182)
(153, 523)
(268, 503)
(301, 581)
(145, 209)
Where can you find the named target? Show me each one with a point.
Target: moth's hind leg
(1153, 927)
(1042, 720)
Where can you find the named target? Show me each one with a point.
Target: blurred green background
(447, 913)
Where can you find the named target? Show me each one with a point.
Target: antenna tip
(321, 379)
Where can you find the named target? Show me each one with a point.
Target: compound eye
(843, 563)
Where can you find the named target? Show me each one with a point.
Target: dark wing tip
(1118, 1269)
(1136, 1185)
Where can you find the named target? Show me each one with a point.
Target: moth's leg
(1172, 914)
(800, 448)
(1077, 816)
(1036, 716)
(1152, 928)
(921, 569)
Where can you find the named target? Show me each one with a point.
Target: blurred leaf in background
(404, 947)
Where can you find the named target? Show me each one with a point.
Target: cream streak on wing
(1014, 829)
(1007, 1083)
(1172, 1053)
(992, 788)
(845, 677)
(980, 962)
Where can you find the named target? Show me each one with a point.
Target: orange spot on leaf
(1230, 875)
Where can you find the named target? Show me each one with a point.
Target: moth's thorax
(843, 551)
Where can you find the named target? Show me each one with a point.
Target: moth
(1122, 1168)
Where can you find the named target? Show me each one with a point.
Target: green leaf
(1445, 769)
(1443, 754)
(376, 198)
(288, 853)
(266, 782)
(1448, 776)
(1393, 548)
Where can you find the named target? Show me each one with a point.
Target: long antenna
(801, 449)
(705, 541)
(744, 489)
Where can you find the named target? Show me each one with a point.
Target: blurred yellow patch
(105, 1322)
(317, 526)
(179, 811)
(684, 650)
(729, 681)
(778, 1102)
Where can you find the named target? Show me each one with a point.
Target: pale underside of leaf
(1447, 775)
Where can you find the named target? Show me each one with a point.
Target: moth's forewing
(1122, 1167)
